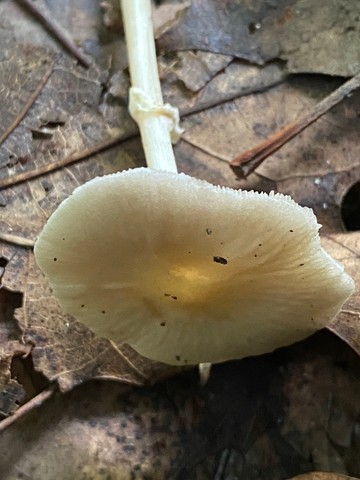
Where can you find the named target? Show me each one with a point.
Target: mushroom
(183, 271)
(186, 272)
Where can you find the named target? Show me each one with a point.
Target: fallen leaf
(194, 69)
(19, 89)
(236, 80)
(66, 118)
(302, 33)
(346, 249)
(11, 346)
(166, 15)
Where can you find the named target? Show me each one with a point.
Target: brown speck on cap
(221, 260)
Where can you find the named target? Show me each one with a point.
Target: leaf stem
(155, 120)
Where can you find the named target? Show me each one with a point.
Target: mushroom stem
(156, 121)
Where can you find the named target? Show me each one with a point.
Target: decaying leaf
(346, 249)
(309, 37)
(30, 67)
(194, 69)
(166, 15)
(235, 80)
(11, 346)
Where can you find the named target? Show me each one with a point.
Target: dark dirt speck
(220, 260)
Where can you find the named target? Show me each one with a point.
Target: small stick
(67, 43)
(52, 166)
(27, 407)
(248, 161)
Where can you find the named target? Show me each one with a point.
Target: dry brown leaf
(308, 36)
(11, 346)
(194, 69)
(234, 81)
(166, 15)
(67, 118)
(30, 68)
(82, 22)
(346, 249)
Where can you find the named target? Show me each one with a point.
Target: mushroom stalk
(157, 122)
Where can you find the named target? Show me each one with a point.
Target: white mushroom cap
(186, 272)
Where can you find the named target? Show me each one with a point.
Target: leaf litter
(78, 112)
(308, 36)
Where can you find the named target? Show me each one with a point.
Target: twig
(29, 103)
(248, 161)
(50, 167)
(28, 407)
(58, 33)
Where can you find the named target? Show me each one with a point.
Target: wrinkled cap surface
(186, 272)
